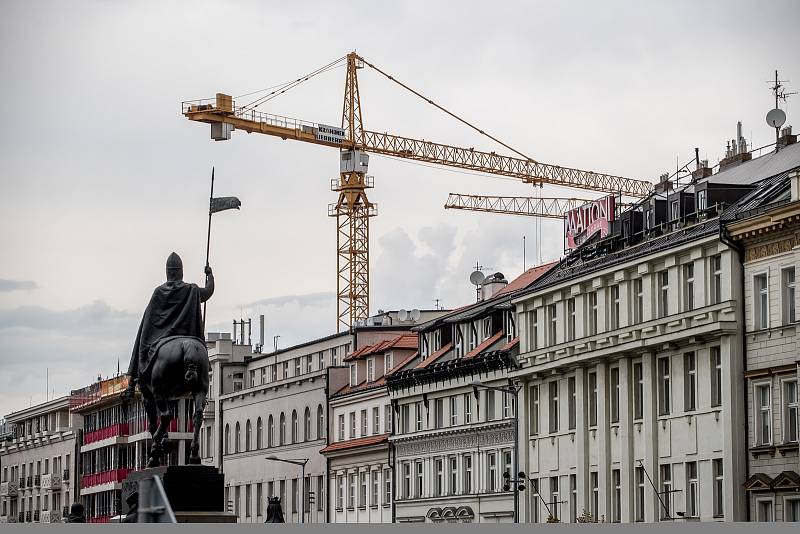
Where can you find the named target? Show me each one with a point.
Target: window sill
(762, 449)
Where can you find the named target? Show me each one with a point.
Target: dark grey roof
(760, 168)
(770, 175)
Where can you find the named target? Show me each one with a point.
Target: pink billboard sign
(585, 221)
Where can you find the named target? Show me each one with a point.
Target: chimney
(786, 137)
(261, 329)
(664, 184)
(702, 170)
(736, 151)
(492, 285)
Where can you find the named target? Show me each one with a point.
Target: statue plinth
(196, 493)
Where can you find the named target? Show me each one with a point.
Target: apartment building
(632, 364)
(276, 405)
(359, 465)
(453, 440)
(767, 228)
(38, 459)
(115, 441)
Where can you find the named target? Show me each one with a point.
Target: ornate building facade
(768, 230)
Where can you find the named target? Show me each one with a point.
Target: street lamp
(302, 463)
(519, 481)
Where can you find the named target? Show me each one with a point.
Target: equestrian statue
(170, 359)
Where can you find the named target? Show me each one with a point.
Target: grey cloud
(307, 300)
(17, 285)
(92, 317)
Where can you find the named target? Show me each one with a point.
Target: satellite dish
(477, 278)
(776, 118)
(402, 315)
(415, 315)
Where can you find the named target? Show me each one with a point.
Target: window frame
(761, 301)
(759, 411)
(788, 307)
(786, 410)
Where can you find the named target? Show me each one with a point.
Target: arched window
(237, 438)
(259, 434)
(307, 425)
(248, 435)
(295, 433)
(320, 423)
(282, 430)
(227, 438)
(270, 432)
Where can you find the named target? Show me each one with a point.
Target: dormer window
(371, 370)
(388, 362)
(473, 337)
(702, 202)
(353, 374)
(459, 337)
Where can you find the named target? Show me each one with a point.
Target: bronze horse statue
(170, 359)
(181, 368)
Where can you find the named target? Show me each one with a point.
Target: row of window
(609, 302)
(370, 423)
(364, 488)
(455, 475)
(634, 387)
(240, 498)
(298, 366)
(763, 411)
(761, 298)
(16, 472)
(294, 436)
(38, 503)
(549, 498)
(453, 410)
(372, 371)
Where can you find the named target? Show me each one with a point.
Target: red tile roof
(526, 278)
(511, 344)
(435, 356)
(401, 342)
(361, 386)
(355, 443)
(485, 344)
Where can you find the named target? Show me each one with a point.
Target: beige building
(38, 460)
(359, 463)
(768, 229)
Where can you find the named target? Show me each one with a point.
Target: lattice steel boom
(551, 208)
(353, 209)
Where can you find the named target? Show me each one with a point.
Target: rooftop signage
(585, 221)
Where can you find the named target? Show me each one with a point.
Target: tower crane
(353, 208)
(547, 208)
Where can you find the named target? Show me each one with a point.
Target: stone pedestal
(195, 492)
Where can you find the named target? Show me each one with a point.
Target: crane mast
(353, 208)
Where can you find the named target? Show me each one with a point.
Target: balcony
(36, 516)
(65, 511)
(29, 482)
(65, 476)
(104, 477)
(3, 519)
(21, 517)
(28, 516)
(120, 429)
(8, 489)
(51, 481)
(37, 481)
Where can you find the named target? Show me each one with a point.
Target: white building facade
(38, 460)
(632, 364)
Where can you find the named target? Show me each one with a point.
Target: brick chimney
(786, 137)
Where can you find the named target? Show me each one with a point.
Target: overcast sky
(102, 177)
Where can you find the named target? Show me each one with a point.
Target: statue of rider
(174, 310)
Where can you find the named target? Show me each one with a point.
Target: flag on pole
(224, 203)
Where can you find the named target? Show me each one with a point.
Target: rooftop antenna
(777, 117)
(436, 304)
(477, 277)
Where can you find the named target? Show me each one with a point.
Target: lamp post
(302, 463)
(519, 480)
